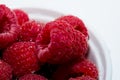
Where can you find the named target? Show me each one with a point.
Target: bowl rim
(104, 47)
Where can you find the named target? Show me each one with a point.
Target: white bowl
(99, 53)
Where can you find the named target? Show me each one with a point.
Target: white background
(104, 15)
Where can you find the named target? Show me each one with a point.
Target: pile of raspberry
(35, 50)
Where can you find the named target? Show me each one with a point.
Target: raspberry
(76, 22)
(82, 78)
(32, 77)
(84, 67)
(22, 16)
(22, 56)
(5, 71)
(9, 28)
(59, 43)
(29, 31)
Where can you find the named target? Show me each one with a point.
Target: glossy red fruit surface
(59, 43)
(29, 31)
(32, 77)
(9, 28)
(22, 16)
(22, 56)
(5, 71)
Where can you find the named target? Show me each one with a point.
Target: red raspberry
(9, 28)
(22, 57)
(76, 22)
(29, 31)
(32, 77)
(84, 67)
(5, 71)
(22, 16)
(59, 43)
(82, 78)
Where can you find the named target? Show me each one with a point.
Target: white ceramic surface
(99, 53)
